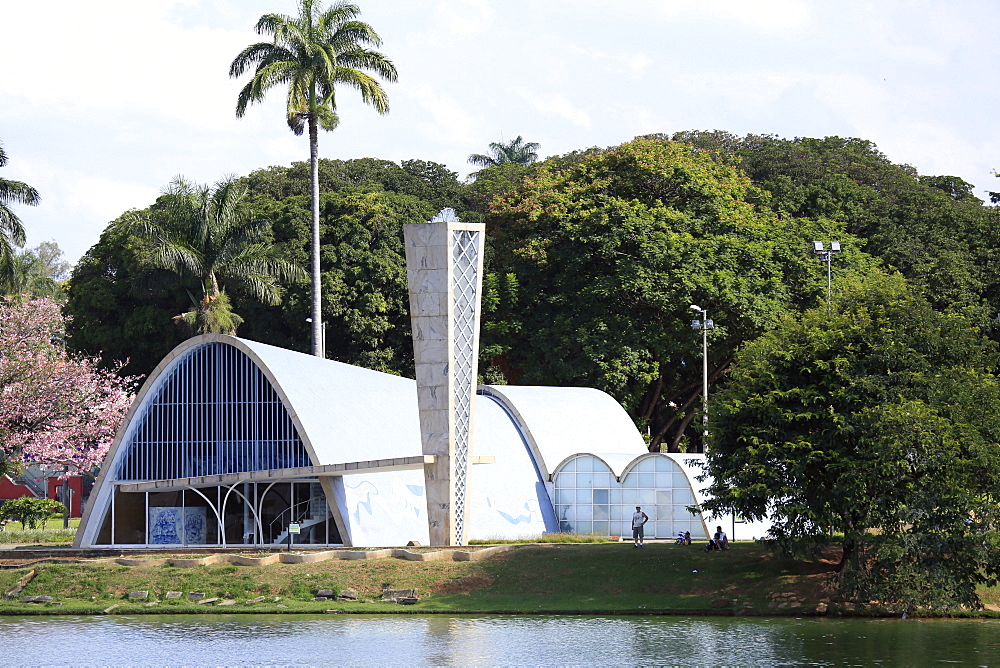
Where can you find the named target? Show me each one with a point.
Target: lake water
(408, 640)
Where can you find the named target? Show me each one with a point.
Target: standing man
(639, 518)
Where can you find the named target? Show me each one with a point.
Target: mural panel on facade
(174, 525)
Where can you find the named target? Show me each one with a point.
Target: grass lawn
(570, 578)
(534, 579)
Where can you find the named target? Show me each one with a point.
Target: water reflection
(355, 640)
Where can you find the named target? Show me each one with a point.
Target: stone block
(37, 599)
(426, 328)
(428, 304)
(421, 281)
(326, 593)
(435, 422)
(207, 600)
(348, 595)
(138, 595)
(418, 235)
(435, 443)
(196, 595)
(432, 383)
(393, 595)
(174, 594)
(432, 351)
(433, 397)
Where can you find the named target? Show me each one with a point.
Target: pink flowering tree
(56, 409)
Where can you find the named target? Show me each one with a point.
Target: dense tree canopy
(109, 317)
(365, 304)
(933, 229)
(880, 421)
(609, 251)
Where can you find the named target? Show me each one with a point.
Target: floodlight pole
(826, 255)
(704, 325)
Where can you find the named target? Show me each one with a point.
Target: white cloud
(104, 101)
(772, 16)
(451, 123)
(104, 198)
(465, 17)
(556, 105)
(754, 88)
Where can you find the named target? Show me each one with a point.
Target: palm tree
(516, 152)
(209, 233)
(313, 53)
(11, 230)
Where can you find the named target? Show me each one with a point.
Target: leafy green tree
(878, 421)
(607, 253)
(211, 234)
(38, 272)
(933, 229)
(365, 300)
(313, 53)
(516, 151)
(11, 229)
(430, 181)
(30, 512)
(109, 317)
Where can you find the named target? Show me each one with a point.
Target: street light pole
(704, 325)
(322, 341)
(825, 255)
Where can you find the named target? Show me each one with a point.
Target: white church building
(232, 442)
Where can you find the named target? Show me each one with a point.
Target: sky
(103, 102)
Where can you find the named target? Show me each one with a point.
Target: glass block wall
(589, 499)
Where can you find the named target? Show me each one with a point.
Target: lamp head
(818, 246)
(695, 307)
(834, 246)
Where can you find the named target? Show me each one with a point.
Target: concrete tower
(444, 267)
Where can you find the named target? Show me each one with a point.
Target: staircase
(306, 514)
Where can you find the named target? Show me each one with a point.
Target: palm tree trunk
(317, 315)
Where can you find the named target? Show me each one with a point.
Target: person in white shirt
(639, 518)
(719, 541)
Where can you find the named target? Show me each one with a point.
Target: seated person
(718, 541)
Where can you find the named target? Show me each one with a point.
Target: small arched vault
(233, 442)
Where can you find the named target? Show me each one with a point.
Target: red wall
(11, 490)
(76, 484)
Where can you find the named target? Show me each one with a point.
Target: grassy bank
(53, 532)
(583, 578)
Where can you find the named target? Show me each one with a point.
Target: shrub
(29, 511)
